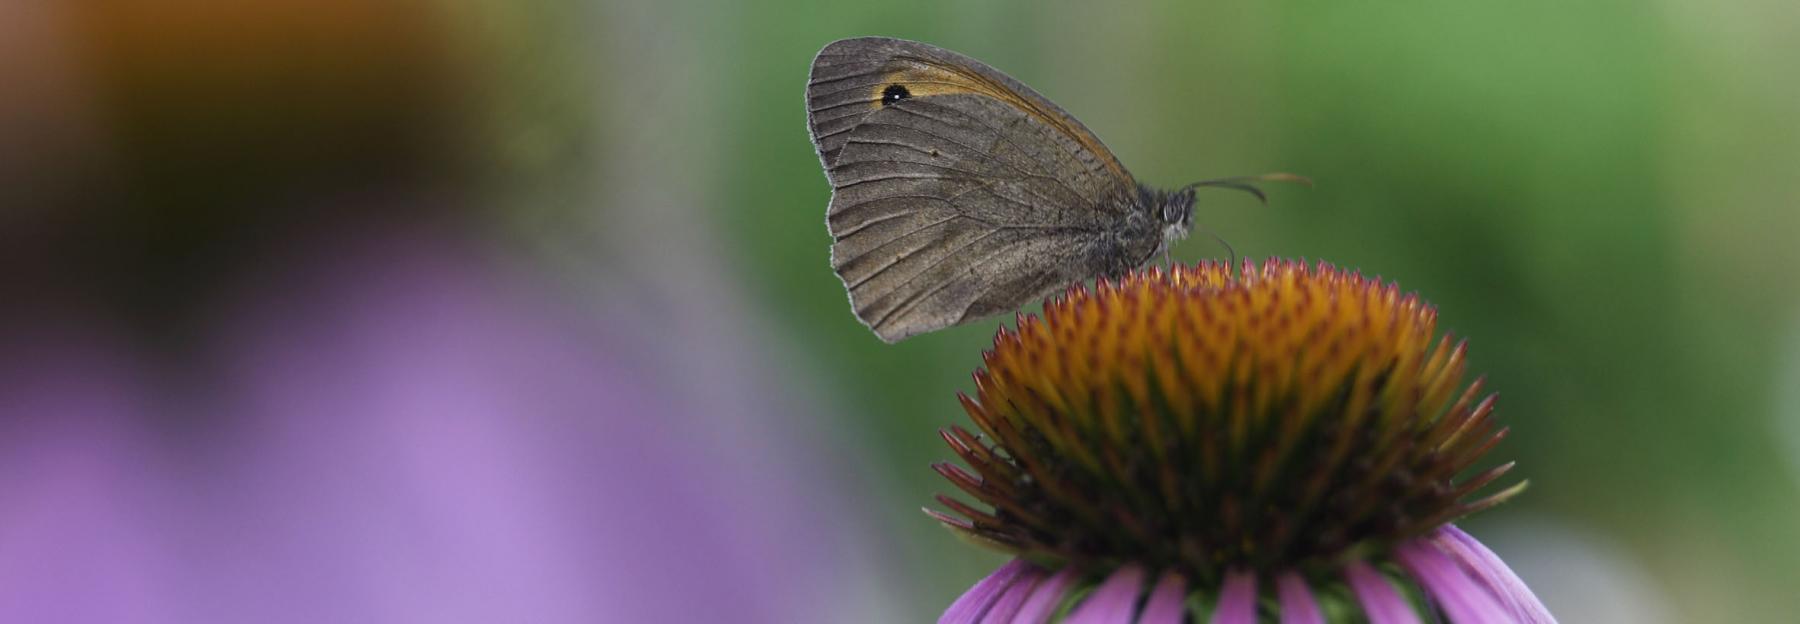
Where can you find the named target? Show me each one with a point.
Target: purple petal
(1297, 604)
(1006, 607)
(1380, 601)
(975, 603)
(1492, 572)
(1115, 602)
(1461, 597)
(1165, 605)
(1044, 598)
(1237, 600)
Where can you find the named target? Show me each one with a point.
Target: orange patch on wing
(929, 80)
(925, 79)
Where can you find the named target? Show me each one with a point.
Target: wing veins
(897, 260)
(995, 230)
(971, 175)
(913, 300)
(896, 177)
(1002, 136)
(865, 225)
(984, 155)
(822, 109)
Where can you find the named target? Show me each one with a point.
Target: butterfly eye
(894, 93)
(1178, 207)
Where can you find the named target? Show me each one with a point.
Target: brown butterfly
(959, 193)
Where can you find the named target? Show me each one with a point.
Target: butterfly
(959, 193)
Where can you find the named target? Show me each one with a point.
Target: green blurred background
(1601, 196)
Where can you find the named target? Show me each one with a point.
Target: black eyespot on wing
(894, 93)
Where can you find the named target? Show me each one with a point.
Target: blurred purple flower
(395, 430)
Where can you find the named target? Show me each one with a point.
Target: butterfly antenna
(1247, 183)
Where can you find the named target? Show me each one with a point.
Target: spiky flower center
(1198, 421)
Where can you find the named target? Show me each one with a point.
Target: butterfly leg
(1228, 248)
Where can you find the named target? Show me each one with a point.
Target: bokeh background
(485, 311)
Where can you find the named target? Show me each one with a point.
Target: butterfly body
(960, 193)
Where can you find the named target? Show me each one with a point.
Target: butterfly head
(1174, 209)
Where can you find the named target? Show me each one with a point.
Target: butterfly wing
(958, 193)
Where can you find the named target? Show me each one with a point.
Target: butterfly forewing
(957, 192)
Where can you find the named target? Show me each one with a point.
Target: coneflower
(1287, 444)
